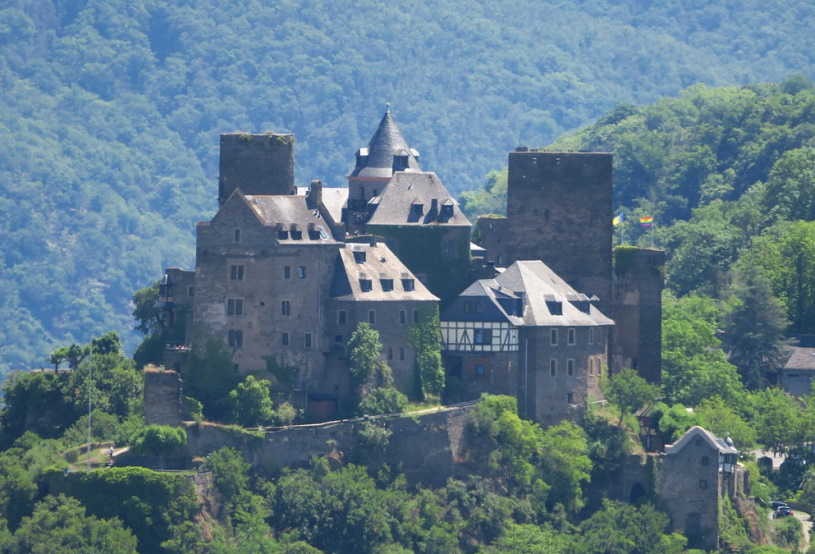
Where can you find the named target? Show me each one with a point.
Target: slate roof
(801, 359)
(377, 160)
(715, 442)
(334, 200)
(394, 205)
(290, 213)
(543, 294)
(373, 263)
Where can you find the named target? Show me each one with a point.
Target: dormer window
(400, 162)
(387, 284)
(296, 235)
(282, 235)
(408, 285)
(417, 209)
(365, 285)
(446, 211)
(360, 256)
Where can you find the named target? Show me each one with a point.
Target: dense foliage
(111, 113)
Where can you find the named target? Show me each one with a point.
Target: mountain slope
(111, 111)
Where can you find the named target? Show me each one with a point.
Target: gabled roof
(715, 442)
(527, 293)
(801, 359)
(544, 290)
(395, 204)
(357, 262)
(290, 213)
(377, 160)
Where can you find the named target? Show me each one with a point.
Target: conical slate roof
(379, 159)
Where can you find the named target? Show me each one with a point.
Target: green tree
(146, 312)
(754, 328)
(229, 472)
(785, 253)
(425, 339)
(625, 529)
(59, 524)
(160, 440)
(694, 367)
(629, 392)
(383, 400)
(364, 353)
(252, 402)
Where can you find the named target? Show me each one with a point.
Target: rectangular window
(553, 368)
(479, 307)
(571, 336)
(342, 317)
(702, 484)
(401, 353)
(553, 336)
(479, 370)
(235, 338)
(190, 291)
(591, 335)
(705, 460)
(591, 366)
(307, 340)
(415, 316)
(285, 308)
(236, 272)
(287, 272)
(570, 367)
(402, 317)
(570, 398)
(284, 339)
(448, 249)
(236, 235)
(468, 306)
(482, 336)
(234, 306)
(338, 338)
(301, 272)
(390, 353)
(371, 317)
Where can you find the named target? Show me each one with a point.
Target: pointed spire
(387, 151)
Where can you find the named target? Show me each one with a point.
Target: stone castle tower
(259, 165)
(568, 226)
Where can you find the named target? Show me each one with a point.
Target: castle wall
(559, 211)
(392, 320)
(429, 448)
(257, 164)
(438, 255)
(266, 325)
(564, 395)
(638, 283)
(492, 236)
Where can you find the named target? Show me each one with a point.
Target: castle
(283, 276)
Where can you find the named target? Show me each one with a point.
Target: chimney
(314, 198)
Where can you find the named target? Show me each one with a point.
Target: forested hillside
(111, 111)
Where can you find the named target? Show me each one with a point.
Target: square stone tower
(559, 211)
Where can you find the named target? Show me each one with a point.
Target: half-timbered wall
(479, 336)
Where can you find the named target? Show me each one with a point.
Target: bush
(159, 440)
(383, 400)
(372, 435)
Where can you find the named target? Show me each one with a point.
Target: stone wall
(429, 448)
(257, 164)
(162, 397)
(638, 285)
(559, 211)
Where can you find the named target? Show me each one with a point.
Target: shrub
(160, 440)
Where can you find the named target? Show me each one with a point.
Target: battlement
(257, 164)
